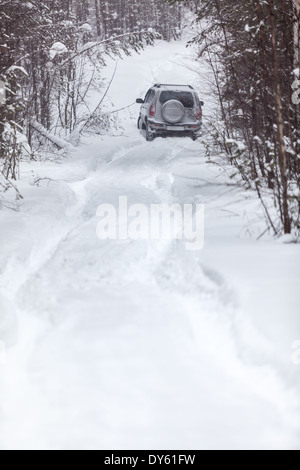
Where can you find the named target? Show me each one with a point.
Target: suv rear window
(185, 97)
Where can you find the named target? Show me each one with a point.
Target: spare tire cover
(173, 111)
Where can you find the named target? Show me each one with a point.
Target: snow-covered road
(142, 344)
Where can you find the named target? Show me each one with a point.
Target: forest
(52, 54)
(149, 226)
(253, 48)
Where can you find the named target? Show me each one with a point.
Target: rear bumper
(163, 128)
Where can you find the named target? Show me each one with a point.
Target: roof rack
(158, 85)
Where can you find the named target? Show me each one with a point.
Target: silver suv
(170, 110)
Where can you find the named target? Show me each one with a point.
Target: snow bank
(173, 350)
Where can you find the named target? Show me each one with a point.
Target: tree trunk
(280, 124)
(297, 34)
(98, 19)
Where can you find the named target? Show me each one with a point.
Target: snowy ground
(122, 344)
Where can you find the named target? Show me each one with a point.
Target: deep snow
(142, 344)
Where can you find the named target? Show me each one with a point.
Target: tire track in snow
(140, 350)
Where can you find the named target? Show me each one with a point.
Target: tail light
(199, 112)
(152, 110)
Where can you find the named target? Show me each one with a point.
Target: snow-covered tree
(253, 48)
(46, 50)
